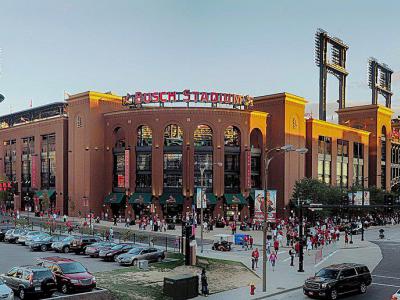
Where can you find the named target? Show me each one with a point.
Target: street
(385, 277)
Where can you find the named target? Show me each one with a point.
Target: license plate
(37, 288)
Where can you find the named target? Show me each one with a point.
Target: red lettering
(214, 97)
(138, 98)
(171, 96)
(227, 98)
(155, 97)
(196, 96)
(161, 97)
(204, 97)
(186, 95)
(147, 97)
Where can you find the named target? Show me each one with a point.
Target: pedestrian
(273, 258)
(346, 239)
(268, 247)
(251, 241)
(276, 245)
(115, 220)
(309, 246)
(111, 234)
(255, 255)
(204, 283)
(246, 242)
(291, 254)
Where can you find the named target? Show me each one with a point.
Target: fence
(163, 241)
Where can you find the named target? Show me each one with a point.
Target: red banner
(34, 183)
(127, 169)
(249, 169)
(121, 180)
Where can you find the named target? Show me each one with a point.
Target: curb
(278, 293)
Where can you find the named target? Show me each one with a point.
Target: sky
(245, 47)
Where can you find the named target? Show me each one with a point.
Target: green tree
(317, 192)
(45, 201)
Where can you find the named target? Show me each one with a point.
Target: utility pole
(301, 253)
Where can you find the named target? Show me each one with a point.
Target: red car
(71, 275)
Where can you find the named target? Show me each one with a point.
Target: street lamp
(267, 161)
(202, 168)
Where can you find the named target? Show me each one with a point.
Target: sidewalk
(286, 278)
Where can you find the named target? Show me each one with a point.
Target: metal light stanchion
(301, 253)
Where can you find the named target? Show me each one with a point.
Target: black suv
(3, 230)
(79, 244)
(30, 280)
(335, 280)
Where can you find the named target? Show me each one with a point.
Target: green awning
(114, 198)
(171, 198)
(235, 199)
(210, 197)
(140, 198)
(50, 193)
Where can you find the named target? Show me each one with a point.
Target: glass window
(232, 137)
(48, 161)
(172, 180)
(232, 162)
(203, 136)
(172, 161)
(143, 180)
(173, 135)
(143, 161)
(144, 136)
(119, 170)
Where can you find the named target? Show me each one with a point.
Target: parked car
(34, 238)
(22, 238)
(70, 274)
(396, 296)
(5, 292)
(44, 244)
(94, 249)
(335, 280)
(3, 230)
(112, 253)
(78, 245)
(13, 235)
(136, 254)
(30, 281)
(64, 245)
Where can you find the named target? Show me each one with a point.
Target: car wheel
(333, 294)
(159, 259)
(134, 262)
(21, 293)
(66, 249)
(363, 288)
(64, 288)
(43, 248)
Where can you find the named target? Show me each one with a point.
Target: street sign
(200, 194)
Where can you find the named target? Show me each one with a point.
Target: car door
(10, 276)
(350, 279)
(18, 278)
(153, 254)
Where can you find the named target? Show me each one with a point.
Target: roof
(57, 259)
(344, 266)
(33, 267)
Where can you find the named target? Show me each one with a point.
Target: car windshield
(135, 251)
(33, 233)
(72, 268)
(68, 239)
(117, 247)
(40, 237)
(328, 273)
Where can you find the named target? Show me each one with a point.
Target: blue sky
(249, 47)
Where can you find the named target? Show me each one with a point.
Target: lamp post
(202, 168)
(267, 160)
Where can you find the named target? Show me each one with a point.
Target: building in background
(149, 156)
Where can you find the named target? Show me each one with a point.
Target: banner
(259, 196)
(249, 169)
(356, 198)
(259, 205)
(127, 169)
(199, 195)
(34, 183)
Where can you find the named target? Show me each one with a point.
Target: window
(324, 159)
(173, 164)
(172, 180)
(144, 136)
(78, 122)
(383, 159)
(48, 161)
(348, 273)
(203, 136)
(232, 137)
(203, 160)
(143, 161)
(358, 164)
(172, 161)
(342, 163)
(10, 160)
(173, 135)
(119, 170)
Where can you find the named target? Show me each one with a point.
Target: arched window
(383, 158)
(232, 159)
(144, 136)
(203, 136)
(232, 136)
(119, 138)
(173, 163)
(173, 135)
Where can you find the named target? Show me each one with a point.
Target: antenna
(380, 81)
(330, 57)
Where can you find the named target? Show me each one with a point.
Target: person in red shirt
(246, 242)
(276, 245)
(254, 258)
(251, 240)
